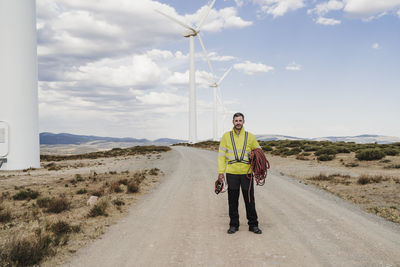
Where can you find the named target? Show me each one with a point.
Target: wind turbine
(215, 85)
(191, 33)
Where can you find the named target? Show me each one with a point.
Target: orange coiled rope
(259, 166)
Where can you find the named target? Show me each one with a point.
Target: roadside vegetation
(41, 220)
(326, 150)
(115, 152)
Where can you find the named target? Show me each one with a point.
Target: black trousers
(235, 181)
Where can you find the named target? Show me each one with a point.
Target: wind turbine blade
(206, 55)
(175, 20)
(206, 15)
(223, 76)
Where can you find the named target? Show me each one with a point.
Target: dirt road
(183, 223)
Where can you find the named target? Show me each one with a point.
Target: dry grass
(115, 152)
(374, 193)
(44, 220)
(25, 250)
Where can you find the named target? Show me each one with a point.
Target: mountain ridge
(47, 138)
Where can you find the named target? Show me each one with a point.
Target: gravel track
(183, 223)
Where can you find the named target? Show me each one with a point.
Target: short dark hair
(238, 114)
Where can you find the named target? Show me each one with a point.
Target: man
(233, 159)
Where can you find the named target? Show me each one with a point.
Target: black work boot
(255, 230)
(232, 230)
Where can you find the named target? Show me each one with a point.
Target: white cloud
(367, 8)
(159, 54)
(181, 80)
(327, 21)
(278, 8)
(217, 20)
(251, 68)
(398, 13)
(293, 66)
(139, 71)
(213, 56)
(239, 3)
(324, 8)
(375, 46)
(162, 98)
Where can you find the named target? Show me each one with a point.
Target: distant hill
(73, 139)
(361, 139)
(276, 137)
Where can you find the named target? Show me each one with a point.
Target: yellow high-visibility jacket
(227, 162)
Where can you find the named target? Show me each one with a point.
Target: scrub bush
(325, 157)
(58, 205)
(26, 194)
(370, 154)
(326, 151)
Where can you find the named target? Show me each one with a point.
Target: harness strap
(235, 150)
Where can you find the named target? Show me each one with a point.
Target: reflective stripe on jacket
(226, 152)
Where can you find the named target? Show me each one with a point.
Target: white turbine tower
(191, 33)
(19, 126)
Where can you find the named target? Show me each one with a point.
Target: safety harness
(236, 160)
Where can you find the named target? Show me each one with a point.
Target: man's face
(238, 122)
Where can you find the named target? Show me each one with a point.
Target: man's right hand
(221, 177)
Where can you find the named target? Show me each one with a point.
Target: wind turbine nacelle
(189, 33)
(214, 85)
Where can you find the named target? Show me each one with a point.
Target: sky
(304, 68)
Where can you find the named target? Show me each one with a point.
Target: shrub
(321, 177)
(115, 187)
(98, 209)
(133, 187)
(365, 179)
(118, 202)
(293, 151)
(309, 148)
(341, 149)
(43, 202)
(5, 216)
(267, 148)
(352, 164)
(98, 192)
(27, 251)
(139, 176)
(123, 181)
(390, 151)
(393, 166)
(58, 205)
(26, 194)
(154, 171)
(294, 144)
(78, 178)
(81, 191)
(326, 151)
(61, 228)
(325, 157)
(370, 154)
